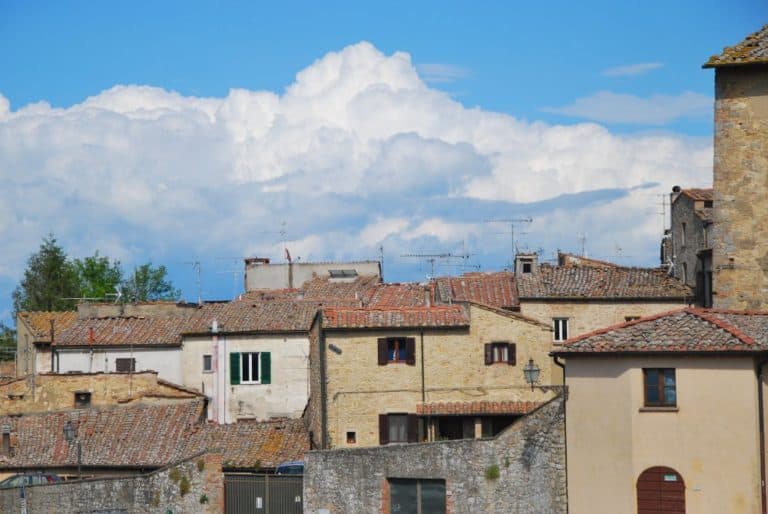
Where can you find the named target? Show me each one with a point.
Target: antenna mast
(512, 222)
(432, 257)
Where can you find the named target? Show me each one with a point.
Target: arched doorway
(660, 490)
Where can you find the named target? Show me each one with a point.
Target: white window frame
(248, 357)
(560, 326)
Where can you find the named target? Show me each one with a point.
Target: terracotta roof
(127, 331)
(479, 407)
(39, 323)
(117, 437)
(397, 295)
(706, 195)
(114, 437)
(252, 444)
(683, 330)
(326, 289)
(242, 316)
(589, 282)
(495, 289)
(437, 316)
(753, 50)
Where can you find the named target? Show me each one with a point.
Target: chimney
(526, 263)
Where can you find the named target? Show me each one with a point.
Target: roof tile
(753, 49)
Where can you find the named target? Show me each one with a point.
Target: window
(561, 328)
(125, 365)
(342, 273)
(631, 318)
(250, 368)
(416, 496)
(527, 266)
(207, 363)
(685, 272)
(397, 349)
(501, 352)
(351, 438)
(682, 236)
(82, 399)
(660, 387)
(398, 428)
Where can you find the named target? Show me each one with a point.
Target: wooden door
(660, 490)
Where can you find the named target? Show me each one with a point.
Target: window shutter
(234, 368)
(383, 429)
(410, 351)
(413, 428)
(488, 354)
(383, 351)
(512, 354)
(266, 367)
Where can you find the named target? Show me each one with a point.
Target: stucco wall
(359, 389)
(159, 492)
(711, 440)
(283, 275)
(586, 316)
(740, 255)
(288, 391)
(165, 360)
(529, 456)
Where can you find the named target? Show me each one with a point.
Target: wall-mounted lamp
(335, 349)
(531, 372)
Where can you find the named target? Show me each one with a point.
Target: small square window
(500, 352)
(125, 365)
(351, 438)
(82, 399)
(560, 326)
(207, 363)
(660, 387)
(397, 349)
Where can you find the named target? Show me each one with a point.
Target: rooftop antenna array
(512, 222)
(582, 244)
(431, 258)
(198, 270)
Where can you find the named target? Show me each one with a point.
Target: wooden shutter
(234, 368)
(512, 354)
(413, 428)
(266, 367)
(410, 351)
(383, 428)
(383, 358)
(488, 353)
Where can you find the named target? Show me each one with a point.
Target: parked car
(26, 479)
(295, 467)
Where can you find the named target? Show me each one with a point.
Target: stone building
(740, 238)
(389, 374)
(691, 240)
(262, 274)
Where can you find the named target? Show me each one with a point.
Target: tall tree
(148, 283)
(49, 283)
(7, 342)
(97, 276)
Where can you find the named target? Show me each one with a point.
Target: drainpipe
(53, 351)
(216, 371)
(761, 425)
(561, 365)
(323, 386)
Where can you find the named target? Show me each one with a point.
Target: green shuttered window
(250, 368)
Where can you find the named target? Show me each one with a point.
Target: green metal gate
(263, 494)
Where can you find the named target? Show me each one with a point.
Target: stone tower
(740, 239)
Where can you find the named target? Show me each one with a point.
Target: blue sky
(181, 131)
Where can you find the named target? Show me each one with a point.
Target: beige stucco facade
(711, 439)
(590, 314)
(285, 396)
(454, 370)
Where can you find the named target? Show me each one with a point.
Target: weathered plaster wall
(740, 253)
(159, 492)
(165, 360)
(285, 396)
(359, 389)
(530, 456)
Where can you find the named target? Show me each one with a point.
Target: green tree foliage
(148, 283)
(49, 281)
(97, 276)
(7, 342)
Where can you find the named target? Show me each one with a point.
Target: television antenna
(198, 270)
(431, 258)
(512, 222)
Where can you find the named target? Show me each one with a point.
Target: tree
(97, 276)
(7, 342)
(49, 283)
(149, 283)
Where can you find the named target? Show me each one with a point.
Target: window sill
(659, 409)
(207, 371)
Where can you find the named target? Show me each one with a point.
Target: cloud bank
(357, 152)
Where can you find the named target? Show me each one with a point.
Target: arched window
(660, 490)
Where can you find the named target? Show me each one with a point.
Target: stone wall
(193, 486)
(529, 458)
(688, 241)
(740, 252)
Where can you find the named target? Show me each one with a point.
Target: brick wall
(158, 492)
(740, 252)
(530, 456)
